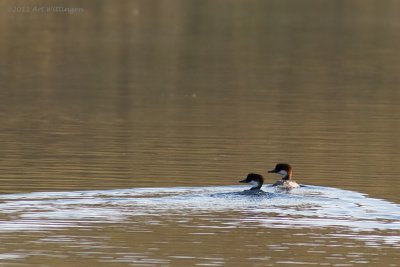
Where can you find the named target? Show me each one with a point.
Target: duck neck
(288, 176)
(256, 185)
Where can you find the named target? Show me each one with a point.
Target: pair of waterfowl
(284, 169)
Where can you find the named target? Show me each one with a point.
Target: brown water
(187, 97)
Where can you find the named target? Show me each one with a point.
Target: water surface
(123, 127)
(177, 225)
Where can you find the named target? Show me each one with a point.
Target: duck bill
(272, 171)
(243, 181)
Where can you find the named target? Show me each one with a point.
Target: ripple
(305, 207)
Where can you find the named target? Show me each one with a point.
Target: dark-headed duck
(285, 170)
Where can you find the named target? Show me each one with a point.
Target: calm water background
(132, 94)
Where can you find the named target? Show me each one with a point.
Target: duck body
(286, 184)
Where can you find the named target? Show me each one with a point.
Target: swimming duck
(285, 170)
(256, 180)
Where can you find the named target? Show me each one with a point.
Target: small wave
(304, 207)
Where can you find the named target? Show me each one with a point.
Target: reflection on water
(134, 94)
(137, 94)
(327, 217)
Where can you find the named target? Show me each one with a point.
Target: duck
(286, 182)
(255, 179)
